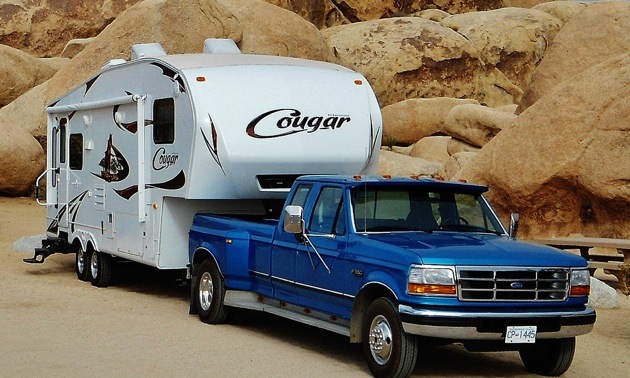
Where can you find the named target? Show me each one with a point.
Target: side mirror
(293, 220)
(514, 217)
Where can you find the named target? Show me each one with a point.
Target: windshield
(413, 208)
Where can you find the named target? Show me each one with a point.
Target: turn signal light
(431, 289)
(579, 291)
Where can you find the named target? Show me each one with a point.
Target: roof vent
(220, 46)
(146, 50)
(112, 63)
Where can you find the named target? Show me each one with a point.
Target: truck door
(321, 270)
(284, 251)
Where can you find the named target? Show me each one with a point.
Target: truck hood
(455, 248)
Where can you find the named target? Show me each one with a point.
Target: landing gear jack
(49, 246)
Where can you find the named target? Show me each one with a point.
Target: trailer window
(76, 151)
(164, 121)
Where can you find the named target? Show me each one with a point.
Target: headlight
(580, 283)
(431, 280)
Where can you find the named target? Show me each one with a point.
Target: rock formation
(565, 164)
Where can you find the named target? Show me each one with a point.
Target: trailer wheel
(81, 263)
(210, 291)
(100, 271)
(389, 351)
(549, 357)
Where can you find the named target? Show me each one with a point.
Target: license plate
(520, 335)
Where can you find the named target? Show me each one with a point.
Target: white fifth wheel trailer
(141, 147)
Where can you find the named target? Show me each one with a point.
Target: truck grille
(512, 284)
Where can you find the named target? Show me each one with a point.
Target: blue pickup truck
(395, 264)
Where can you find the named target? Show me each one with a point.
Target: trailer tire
(389, 351)
(549, 357)
(100, 270)
(81, 263)
(210, 291)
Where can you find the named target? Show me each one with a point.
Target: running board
(253, 301)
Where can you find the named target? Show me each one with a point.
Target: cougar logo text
(282, 122)
(163, 160)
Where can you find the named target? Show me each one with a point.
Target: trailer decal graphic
(132, 127)
(74, 206)
(114, 165)
(89, 84)
(293, 123)
(212, 147)
(172, 75)
(175, 183)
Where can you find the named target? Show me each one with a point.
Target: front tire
(209, 293)
(389, 351)
(100, 269)
(549, 357)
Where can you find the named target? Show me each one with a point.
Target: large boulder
(395, 164)
(321, 13)
(592, 36)
(562, 10)
(270, 30)
(476, 124)
(565, 164)
(20, 72)
(513, 40)
(433, 148)
(42, 27)
(408, 57)
(22, 159)
(406, 122)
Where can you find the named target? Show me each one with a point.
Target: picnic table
(616, 264)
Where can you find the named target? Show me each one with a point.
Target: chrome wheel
(380, 339)
(206, 291)
(94, 265)
(80, 261)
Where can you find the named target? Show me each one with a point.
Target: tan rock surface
(433, 148)
(43, 27)
(476, 124)
(19, 72)
(408, 121)
(514, 40)
(592, 36)
(22, 159)
(393, 164)
(562, 10)
(565, 165)
(455, 146)
(270, 30)
(408, 57)
(456, 163)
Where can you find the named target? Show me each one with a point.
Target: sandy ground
(52, 324)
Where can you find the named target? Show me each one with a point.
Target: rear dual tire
(99, 268)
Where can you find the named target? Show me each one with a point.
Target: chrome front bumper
(461, 326)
